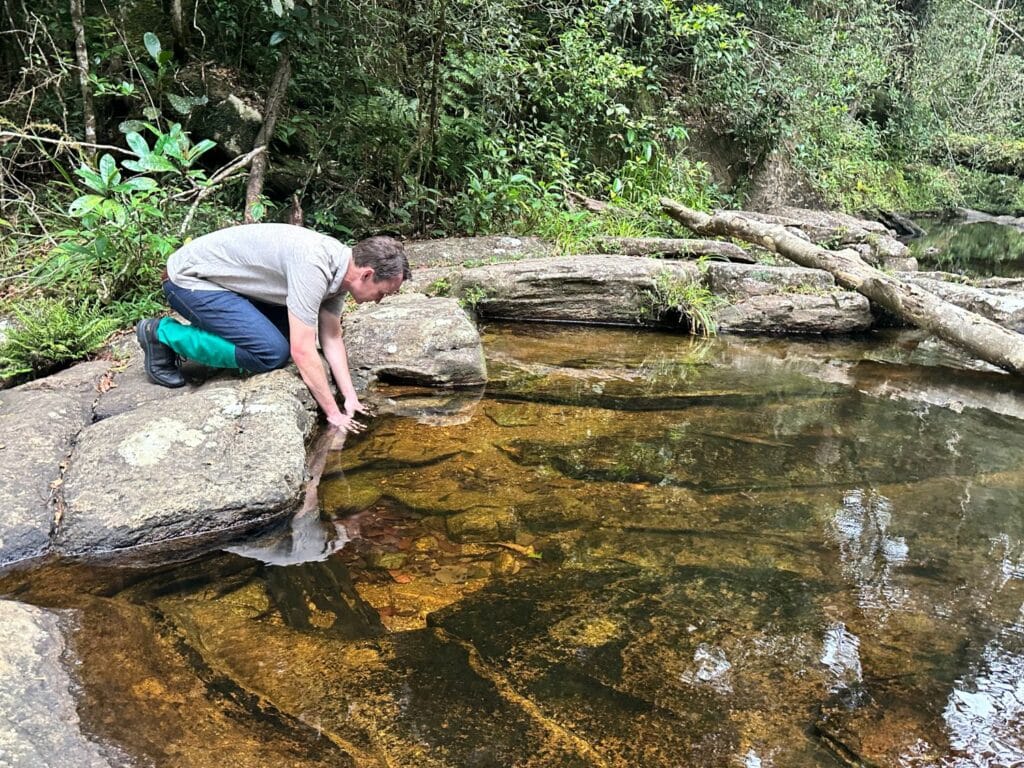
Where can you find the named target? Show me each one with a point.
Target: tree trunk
(82, 56)
(275, 97)
(180, 30)
(981, 337)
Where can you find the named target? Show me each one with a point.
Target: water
(980, 249)
(634, 549)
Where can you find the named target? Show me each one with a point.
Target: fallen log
(666, 246)
(981, 337)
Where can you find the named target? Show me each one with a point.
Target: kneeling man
(255, 296)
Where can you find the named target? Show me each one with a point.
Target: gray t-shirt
(275, 263)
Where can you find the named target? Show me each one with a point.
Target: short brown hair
(385, 254)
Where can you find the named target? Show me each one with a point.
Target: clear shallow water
(634, 549)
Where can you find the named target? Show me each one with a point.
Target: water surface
(632, 549)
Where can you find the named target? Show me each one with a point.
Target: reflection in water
(841, 654)
(711, 669)
(871, 557)
(985, 711)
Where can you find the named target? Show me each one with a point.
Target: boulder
(39, 723)
(475, 250)
(604, 290)
(738, 281)
(415, 339)
(1001, 305)
(836, 312)
(202, 467)
(38, 423)
(767, 299)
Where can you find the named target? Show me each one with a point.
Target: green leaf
(151, 113)
(184, 104)
(108, 169)
(84, 204)
(128, 126)
(137, 143)
(152, 43)
(92, 179)
(277, 37)
(137, 184)
(277, 8)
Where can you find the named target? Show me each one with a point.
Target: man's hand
(353, 406)
(344, 422)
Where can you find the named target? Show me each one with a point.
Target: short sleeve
(307, 286)
(334, 304)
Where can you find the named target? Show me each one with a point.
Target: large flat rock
(1000, 305)
(826, 313)
(416, 339)
(475, 250)
(224, 458)
(38, 423)
(39, 724)
(607, 290)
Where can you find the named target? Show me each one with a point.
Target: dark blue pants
(259, 331)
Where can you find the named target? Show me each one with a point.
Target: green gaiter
(196, 344)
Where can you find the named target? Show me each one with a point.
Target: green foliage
(672, 296)
(126, 226)
(50, 333)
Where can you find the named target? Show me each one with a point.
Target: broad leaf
(137, 143)
(152, 43)
(84, 205)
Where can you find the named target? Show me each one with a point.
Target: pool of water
(632, 549)
(980, 249)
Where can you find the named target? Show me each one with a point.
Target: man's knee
(271, 356)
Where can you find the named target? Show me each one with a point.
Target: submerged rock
(39, 723)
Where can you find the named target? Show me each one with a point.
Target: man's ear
(366, 274)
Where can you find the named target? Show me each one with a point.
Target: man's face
(365, 288)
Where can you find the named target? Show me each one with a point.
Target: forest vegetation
(126, 128)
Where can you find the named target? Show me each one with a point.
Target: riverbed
(631, 549)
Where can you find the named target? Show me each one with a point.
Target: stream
(632, 549)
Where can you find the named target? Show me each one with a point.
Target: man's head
(379, 265)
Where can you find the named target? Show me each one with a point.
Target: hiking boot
(161, 363)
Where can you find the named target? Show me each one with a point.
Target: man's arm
(332, 342)
(302, 338)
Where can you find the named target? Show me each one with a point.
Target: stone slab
(213, 462)
(746, 280)
(38, 423)
(416, 339)
(602, 290)
(829, 313)
(39, 723)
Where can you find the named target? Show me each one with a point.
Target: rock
(475, 250)
(1000, 305)
(231, 122)
(416, 339)
(605, 290)
(836, 312)
(746, 280)
(39, 723)
(38, 423)
(836, 231)
(482, 523)
(202, 467)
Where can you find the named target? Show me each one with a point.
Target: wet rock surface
(39, 725)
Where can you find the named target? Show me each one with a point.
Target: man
(256, 295)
